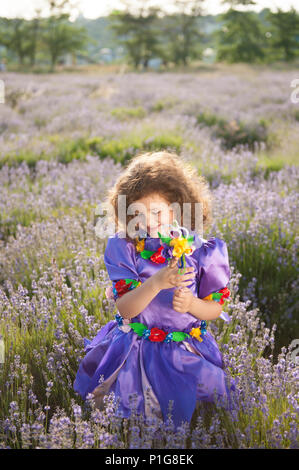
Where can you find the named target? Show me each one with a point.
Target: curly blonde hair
(165, 173)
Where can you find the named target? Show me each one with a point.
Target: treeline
(245, 38)
(242, 36)
(47, 38)
(147, 32)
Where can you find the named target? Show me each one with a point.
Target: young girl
(158, 346)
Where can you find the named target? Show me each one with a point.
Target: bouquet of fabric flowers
(177, 243)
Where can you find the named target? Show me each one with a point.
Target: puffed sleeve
(120, 262)
(213, 270)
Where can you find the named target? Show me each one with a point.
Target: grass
(120, 149)
(276, 298)
(21, 216)
(235, 132)
(124, 114)
(278, 158)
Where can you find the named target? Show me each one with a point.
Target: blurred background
(51, 34)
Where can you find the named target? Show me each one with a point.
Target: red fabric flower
(225, 293)
(157, 257)
(157, 334)
(122, 287)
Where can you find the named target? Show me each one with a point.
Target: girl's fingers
(179, 280)
(179, 308)
(187, 276)
(184, 283)
(173, 263)
(178, 301)
(188, 269)
(178, 298)
(180, 292)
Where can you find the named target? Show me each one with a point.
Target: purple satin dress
(185, 371)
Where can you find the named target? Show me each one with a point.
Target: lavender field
(64, 139)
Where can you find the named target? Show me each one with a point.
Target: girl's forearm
(205, 309)
(136, 300)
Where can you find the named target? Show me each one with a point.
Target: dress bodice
(211, 269)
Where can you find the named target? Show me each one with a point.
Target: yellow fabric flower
(180, 246)
(196, 333)
(139, 245)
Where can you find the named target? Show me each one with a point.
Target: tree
(59, 35)
(34, 28)
(21, 37)
(55, 34)
(5, 33)
(180, 31)
(61, 38)
(235, 3)
(285, 33)
(13, 37)
(241, 37)
(137, 31)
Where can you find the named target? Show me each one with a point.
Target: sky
(96, 8)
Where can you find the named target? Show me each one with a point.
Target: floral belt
(157, 335)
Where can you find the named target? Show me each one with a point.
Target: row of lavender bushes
(63, 141)
(52, 291)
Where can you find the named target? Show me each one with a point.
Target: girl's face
(156, 212)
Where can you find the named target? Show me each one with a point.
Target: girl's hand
(169, 277)
(182, 300)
